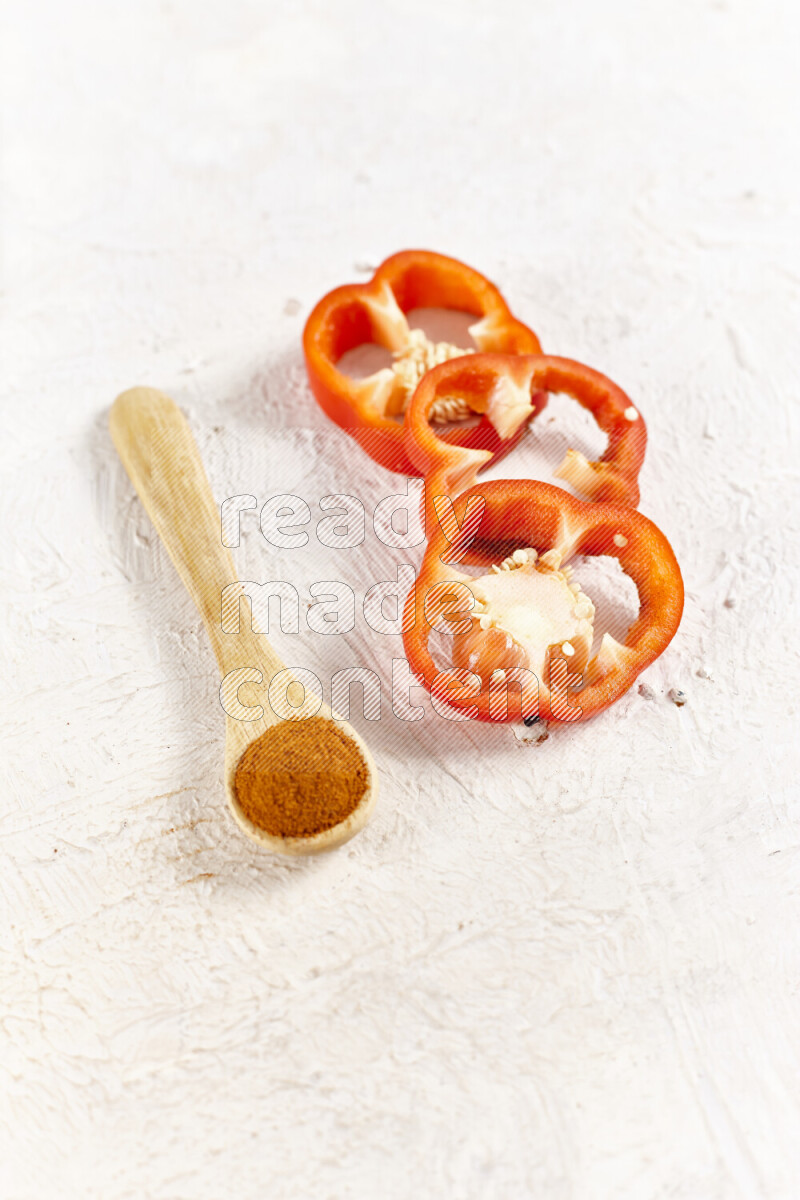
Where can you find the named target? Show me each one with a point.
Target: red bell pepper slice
(516, 514)
(354, 314)
(500, 386)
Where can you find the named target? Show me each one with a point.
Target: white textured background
(568, 969)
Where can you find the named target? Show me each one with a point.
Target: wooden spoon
(160, 455)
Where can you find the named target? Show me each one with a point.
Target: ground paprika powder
(300, 778)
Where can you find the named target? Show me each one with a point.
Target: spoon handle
(161, 457)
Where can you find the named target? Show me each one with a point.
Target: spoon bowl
(237, 739)
(161, 457)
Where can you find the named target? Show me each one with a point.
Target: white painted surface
(567, 969)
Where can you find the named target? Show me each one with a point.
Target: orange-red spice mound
(300, 777)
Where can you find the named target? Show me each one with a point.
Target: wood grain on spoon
(161, 457)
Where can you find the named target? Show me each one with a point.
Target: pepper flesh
(518, 513)
(354, 314)
(501, 385)
(520, 609)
